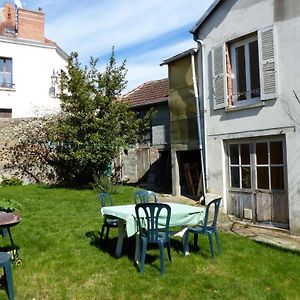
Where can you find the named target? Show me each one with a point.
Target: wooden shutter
(267, 63)
(219, 77)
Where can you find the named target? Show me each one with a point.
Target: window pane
(262, 178)
(241, 73)
(234, 154)
(8, 65)
(235, 177)
(262, 153)
(245, 154)
(254, 69)
(1, 64)
(246, 177)
(1, 78)
(277, 178)
(276, 153)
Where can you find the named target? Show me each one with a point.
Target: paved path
(269, 235)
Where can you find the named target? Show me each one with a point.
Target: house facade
(28, 61)
(149, 161)
(250, 97)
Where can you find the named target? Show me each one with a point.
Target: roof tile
(150, 92)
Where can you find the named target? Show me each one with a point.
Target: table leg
(121, 235)
(185, 243)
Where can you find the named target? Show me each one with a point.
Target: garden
(63, 257)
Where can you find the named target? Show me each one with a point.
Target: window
(244, 70)
(257, 165)
(240, 166)
(270, 165)
(5, 112)
(6, 72)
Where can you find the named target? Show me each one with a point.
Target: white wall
(236, 18)
(33, 66)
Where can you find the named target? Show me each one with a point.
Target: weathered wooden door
(143, 162)
(257, 181)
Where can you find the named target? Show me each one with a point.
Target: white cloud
(147, 66)
(122, 23)
(133, 26)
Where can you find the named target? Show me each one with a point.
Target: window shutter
(219, 77)
(267, 63)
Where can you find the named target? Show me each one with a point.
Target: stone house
(149, 161)
(28, 61)
(248, 80)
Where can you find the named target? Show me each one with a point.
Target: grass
(58, 241)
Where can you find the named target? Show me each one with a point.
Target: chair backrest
(105, 199)
(140, 196)
(152, 197)
(151, 217)
(216, 203)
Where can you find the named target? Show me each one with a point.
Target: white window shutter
(219, 77)
(267, 63)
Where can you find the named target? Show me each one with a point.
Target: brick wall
(31, 25)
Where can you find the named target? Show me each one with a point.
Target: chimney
(7, 20)
(31, 25)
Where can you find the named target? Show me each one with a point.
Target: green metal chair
(206, 228)
(106, 200)
(144, 196)
(5, 264)
(148, 217)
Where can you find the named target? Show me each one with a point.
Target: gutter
(204, 140)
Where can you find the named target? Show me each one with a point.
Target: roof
(179, 55)
(150, 92)
(205, 16)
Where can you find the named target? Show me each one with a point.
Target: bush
(106, 184)
(10, 181)
(9, 205)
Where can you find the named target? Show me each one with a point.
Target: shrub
(10, 181)
(106, 184)
(9, 205)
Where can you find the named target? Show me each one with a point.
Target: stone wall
(11, 132)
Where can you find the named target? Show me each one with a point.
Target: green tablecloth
(181, 215)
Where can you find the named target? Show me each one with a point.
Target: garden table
(181, 215)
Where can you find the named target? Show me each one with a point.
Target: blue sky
(144, 32)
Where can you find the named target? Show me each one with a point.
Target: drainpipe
(198, 120)
(201, 46)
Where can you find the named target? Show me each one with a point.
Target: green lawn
(62, 258)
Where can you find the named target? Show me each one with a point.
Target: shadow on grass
(277, 247)
(109, 245)
(3, 285)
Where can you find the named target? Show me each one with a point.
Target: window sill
(7, 89)
(246, 106)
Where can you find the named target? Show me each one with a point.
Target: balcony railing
(5, 85)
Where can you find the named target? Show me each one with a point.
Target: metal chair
(206, 228)
(106, 200)
(5, 264)
(144, 196)
(150, 225)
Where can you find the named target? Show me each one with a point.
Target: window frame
(244, 42)
(269, 165)
(4, 84)
(253, 164)
(240, 165)
(222, 89)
